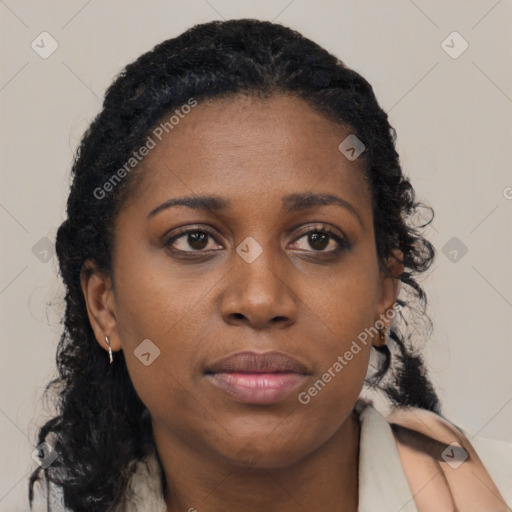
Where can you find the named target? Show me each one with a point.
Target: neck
(325, 480)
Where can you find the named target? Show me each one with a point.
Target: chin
(256, 456)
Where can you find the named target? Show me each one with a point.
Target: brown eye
(191, 240)
(197, 240)
(320, 239)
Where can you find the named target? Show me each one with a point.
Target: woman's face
(247, 277)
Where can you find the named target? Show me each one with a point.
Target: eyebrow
(299, 202)
(291, 203)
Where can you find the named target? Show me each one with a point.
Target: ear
(389, 287)
(99, 299)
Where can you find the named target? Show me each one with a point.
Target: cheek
(155, 299)
(343, 357)
(161, 368)
(344, 350)
(345, 314)
(346, 303)
(158, 328)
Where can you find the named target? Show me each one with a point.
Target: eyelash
(343, 243)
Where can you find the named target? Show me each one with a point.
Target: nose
(258, 294)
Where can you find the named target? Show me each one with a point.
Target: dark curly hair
(210, 60)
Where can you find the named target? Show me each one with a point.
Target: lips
(256, 378)
(253, 362)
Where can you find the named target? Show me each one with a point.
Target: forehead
(246, 146)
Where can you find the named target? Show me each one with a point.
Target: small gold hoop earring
(109, 350)
(382, 334)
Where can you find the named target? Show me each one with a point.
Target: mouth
(254, 378)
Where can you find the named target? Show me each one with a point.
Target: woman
(239, 231)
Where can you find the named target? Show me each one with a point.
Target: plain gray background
(452, 114)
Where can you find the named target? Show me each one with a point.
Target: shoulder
(144, 491)
(447, 467)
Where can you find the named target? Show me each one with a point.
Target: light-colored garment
(383, 484)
